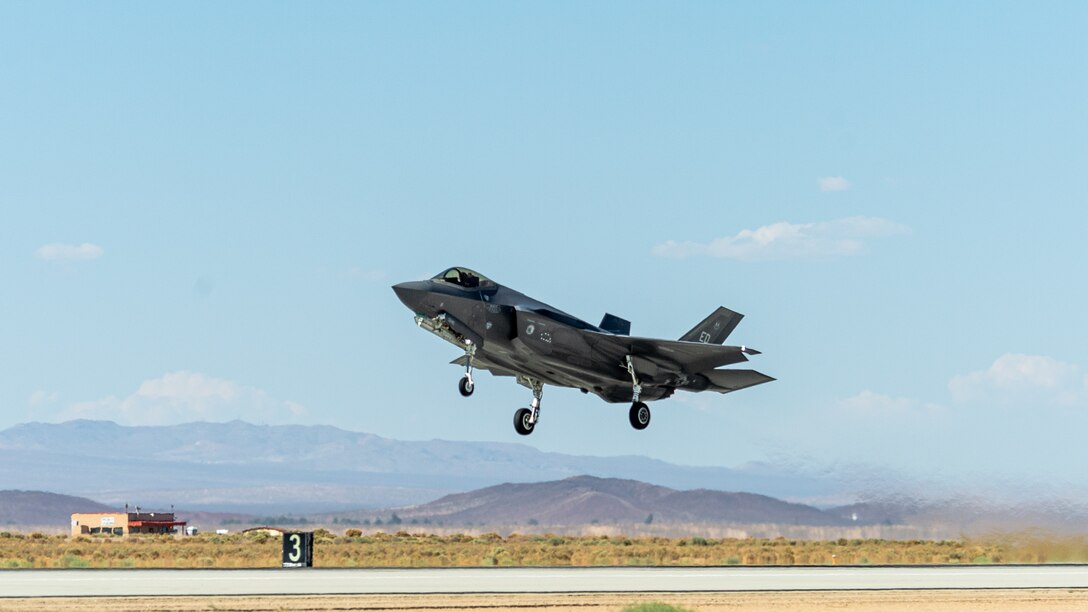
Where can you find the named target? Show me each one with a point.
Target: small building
(124, 523)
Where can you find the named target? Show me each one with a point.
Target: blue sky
(204, 205)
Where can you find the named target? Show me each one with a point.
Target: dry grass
(458, 550)
(989, 600)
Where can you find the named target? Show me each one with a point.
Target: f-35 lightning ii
(510, 334)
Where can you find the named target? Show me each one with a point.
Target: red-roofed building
(124, 523)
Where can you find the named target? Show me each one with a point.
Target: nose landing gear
(465, 386)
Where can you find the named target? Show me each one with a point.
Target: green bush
(72, 561)
(655, 607)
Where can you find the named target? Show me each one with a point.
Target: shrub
(72, 561)
(655, 607)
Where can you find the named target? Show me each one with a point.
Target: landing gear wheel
(523, 421)
(465, 386)
(640, 415)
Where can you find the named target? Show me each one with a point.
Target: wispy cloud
(1015, 376)
(179, 397)
(833, 183)
(69, 252)
(872, 404)
(41, 396)
(785, 240)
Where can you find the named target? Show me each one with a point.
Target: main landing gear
(639, 415)
(525, 418)
(640, 412)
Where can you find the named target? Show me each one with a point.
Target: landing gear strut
(640, 412)
(465, 385)
(525, 418)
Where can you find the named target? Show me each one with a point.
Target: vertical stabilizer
(715, 328)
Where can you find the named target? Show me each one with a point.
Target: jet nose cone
(411, 293)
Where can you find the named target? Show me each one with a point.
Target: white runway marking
(44, 583)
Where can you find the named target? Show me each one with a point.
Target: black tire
(639, 415)
(465, 387)
(522, 425)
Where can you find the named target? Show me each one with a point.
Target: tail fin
(715, 328)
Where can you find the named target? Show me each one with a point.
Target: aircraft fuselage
(510, 334)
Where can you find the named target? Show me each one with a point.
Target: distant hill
(38, 508)
(241, 467)
(583, 500)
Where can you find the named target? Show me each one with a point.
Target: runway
(144, 582)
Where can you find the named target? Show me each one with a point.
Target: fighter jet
(510, 334)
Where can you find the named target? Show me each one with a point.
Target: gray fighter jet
(510, 334)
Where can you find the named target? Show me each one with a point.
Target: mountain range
(38, 508)
(588, 504)
(585, 500)
(242, 467)
(567, 503)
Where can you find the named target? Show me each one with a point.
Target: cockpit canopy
(463, 277)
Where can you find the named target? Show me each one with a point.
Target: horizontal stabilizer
(715, 328)
(616, 325)
(725, 381)
(687, 357)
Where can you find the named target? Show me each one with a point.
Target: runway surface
(89, 582)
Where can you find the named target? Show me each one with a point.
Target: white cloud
(785, 240)
(69, 252)
(833, 183)
(1016, 375)
(872, 404)
(181, 397)
(40, 397)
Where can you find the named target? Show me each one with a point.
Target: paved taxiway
(79, 583)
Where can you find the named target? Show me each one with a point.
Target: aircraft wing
(483, 364)
(725, 381)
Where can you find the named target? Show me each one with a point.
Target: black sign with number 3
(298, 549)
